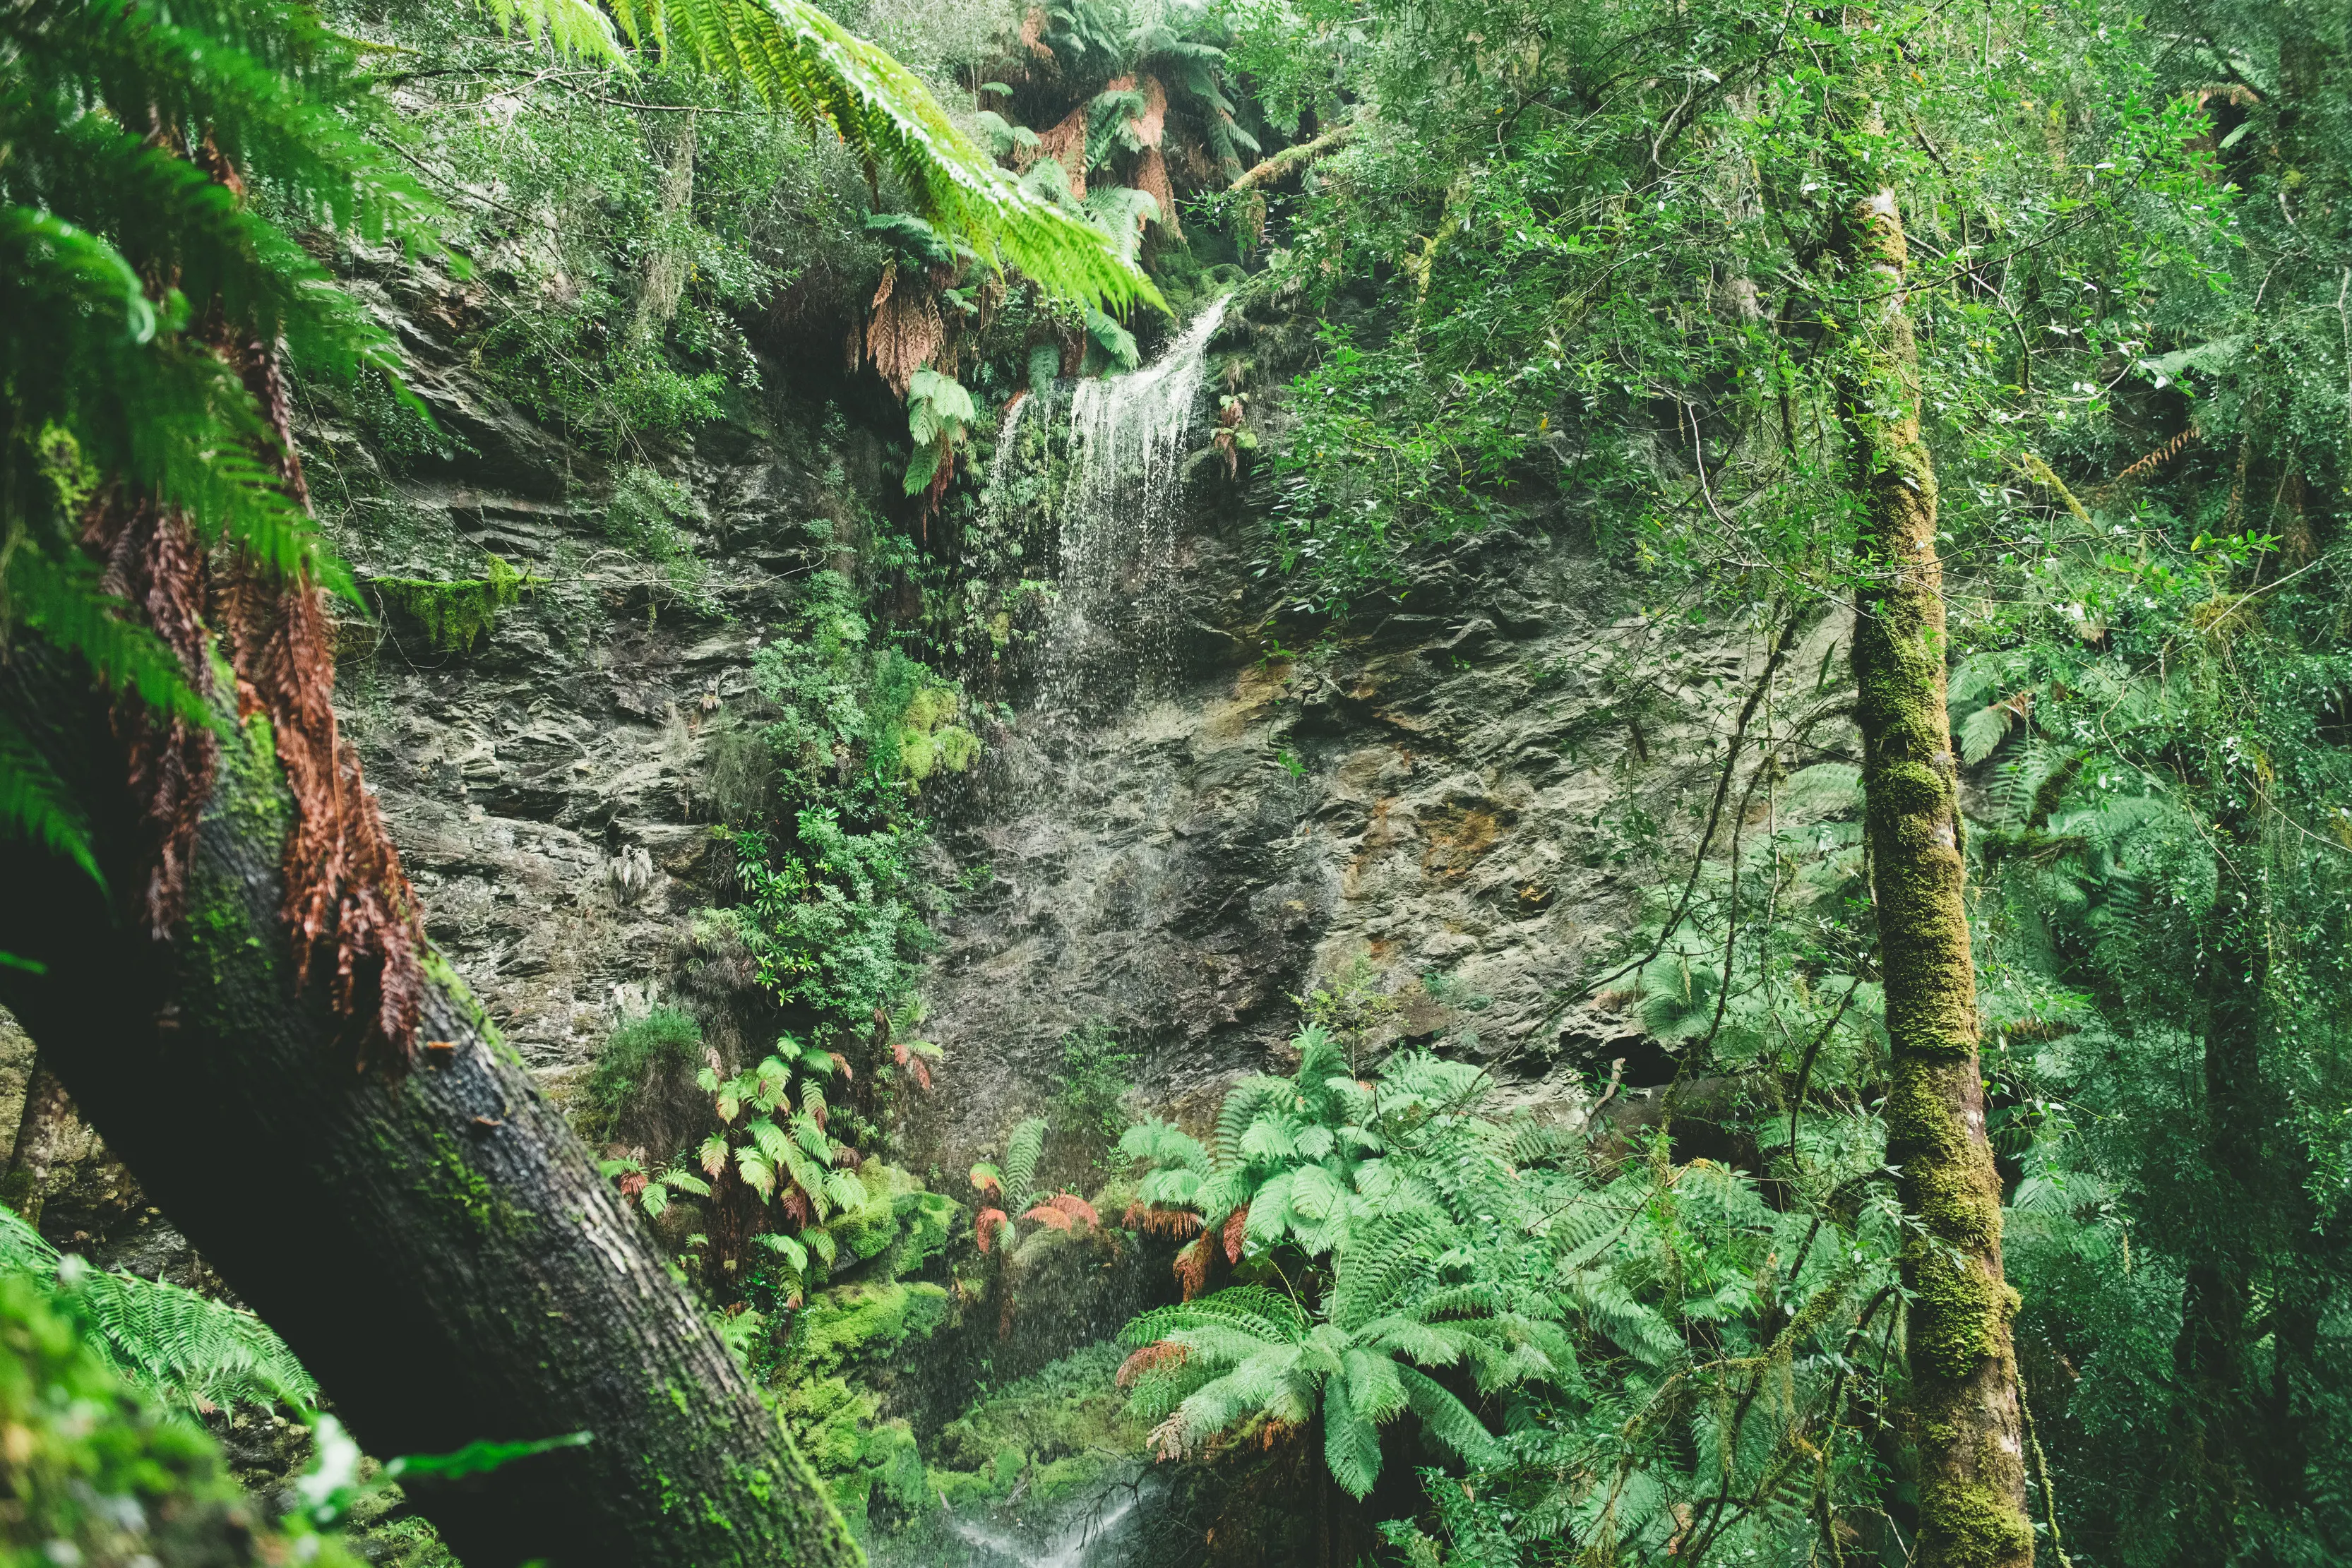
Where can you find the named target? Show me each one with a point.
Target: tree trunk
(438, 1248)
(2217, 1298)
(41, 1128)
(1964, 1409)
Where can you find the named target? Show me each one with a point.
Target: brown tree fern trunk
(437, 1247)
(1964, 1408)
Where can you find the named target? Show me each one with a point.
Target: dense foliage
(1581, 267)
(1585, 251)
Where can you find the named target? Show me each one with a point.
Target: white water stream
(1068, 1549)
(1116, 513)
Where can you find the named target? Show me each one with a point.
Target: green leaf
(1351, 1445)
(805, 64)
(479, 1458)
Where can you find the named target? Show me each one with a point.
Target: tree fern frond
(34, 804)
(1448, 1419)
(574, 27)
(805, 64)
(61, 597)
(1351, 1442)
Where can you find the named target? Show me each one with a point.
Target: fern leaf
(1021, 1152)
(34, 804)
(805, 64)
(1351, 1444)
(1448, 1419)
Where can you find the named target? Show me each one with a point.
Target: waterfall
(1068, 1548)
(1116, 514)
(1005, 459)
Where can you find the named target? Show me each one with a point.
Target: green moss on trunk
(1964, 1400)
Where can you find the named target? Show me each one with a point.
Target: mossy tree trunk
(438, 1248)
(1963, 1399)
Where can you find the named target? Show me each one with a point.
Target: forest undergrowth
(1992, 979)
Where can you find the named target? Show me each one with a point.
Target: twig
(1805, 1070)
(1715, 812)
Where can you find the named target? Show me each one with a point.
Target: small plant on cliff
(771, 1175)
(647, 516)
(1013, 1190)
(1091, 1089)
(819, 779)
(634, 1056)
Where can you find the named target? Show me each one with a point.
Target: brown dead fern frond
(2157, 458)
(346, 897)
(1033, 23)
(152, 561)
(1152, 1219)
(1152, 179)
(1065, 143)
(1159, 1356)
(905, 333)
(1150, 127)
(1167, 1439)
(1192, 1267)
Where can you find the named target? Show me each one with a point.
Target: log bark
(438, 1248)
(1963, 1397)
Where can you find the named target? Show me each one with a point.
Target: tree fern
(807, 64)
(130, 127)
(183, 1349)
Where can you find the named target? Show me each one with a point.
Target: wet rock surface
(1467, 789)
(1469, 809)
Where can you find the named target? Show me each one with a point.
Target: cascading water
(1089, 474)
(1095, 1540)
(1116, 513)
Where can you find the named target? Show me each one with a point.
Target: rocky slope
(1464, 790)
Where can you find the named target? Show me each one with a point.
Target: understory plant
(820, 778)
(182, 1350)
(1013, 1191)
(1620, 1349)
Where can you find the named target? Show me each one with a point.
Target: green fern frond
(1448, 1419)
(1351, 1440)
(183, 1349)
(804, 63)
(34, 804)
(1021, 1153)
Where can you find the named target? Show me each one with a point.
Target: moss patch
(453, 613)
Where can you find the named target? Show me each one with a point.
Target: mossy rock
(1067, 1407)
(860, 1324)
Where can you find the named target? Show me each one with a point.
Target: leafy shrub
(633, 1057)
(819, 779)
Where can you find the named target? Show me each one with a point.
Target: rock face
(1464, 792)
(1464, 797)
(541, 780)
